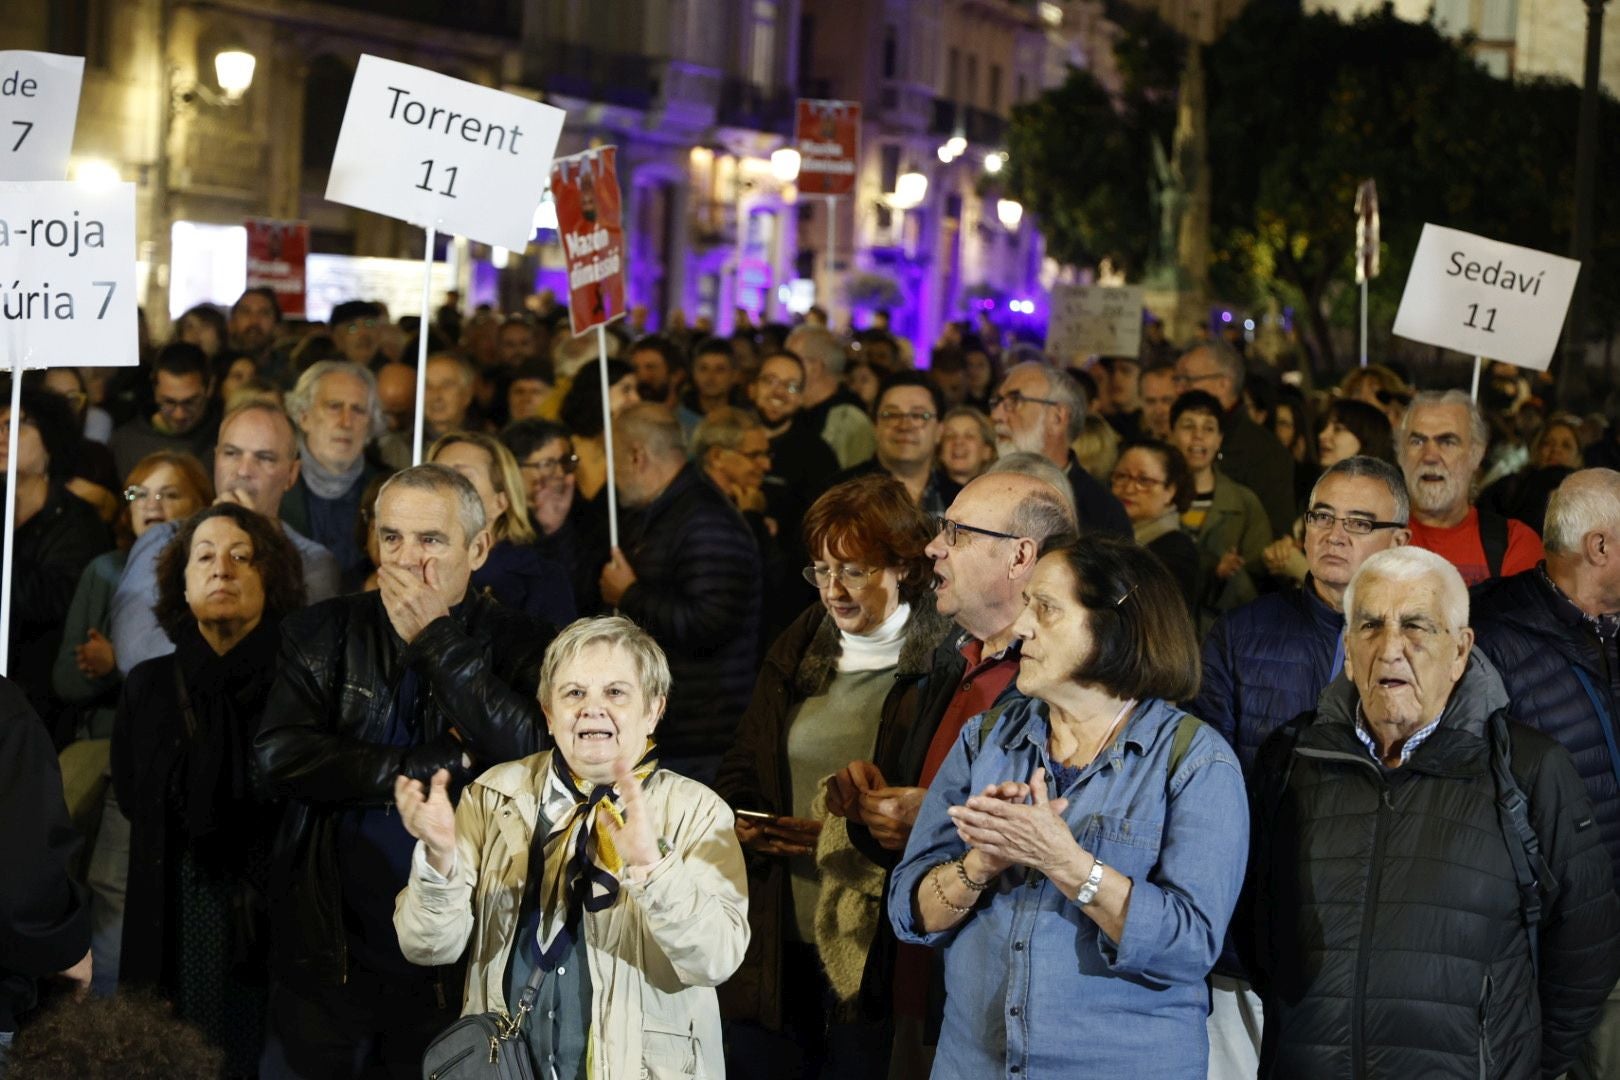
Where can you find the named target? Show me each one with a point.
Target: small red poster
(275, 260)
(586, 190)
(828, 136)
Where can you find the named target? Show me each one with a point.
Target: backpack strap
(1493, 537)
(1530, 869)
(988, 721)
(1186, 728)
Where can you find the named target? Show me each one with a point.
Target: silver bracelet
(1088, 891)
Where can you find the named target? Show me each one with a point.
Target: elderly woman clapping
(620, 884)
(1080, 852)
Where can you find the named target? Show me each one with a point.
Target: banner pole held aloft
(1479, 362)
(607, 435)
(13, 424)
(421, 341)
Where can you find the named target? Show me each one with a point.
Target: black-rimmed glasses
(952, 529)
(1355, 526)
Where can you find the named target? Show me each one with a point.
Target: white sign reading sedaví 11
(443, 153)
(67, 274)
(1486, 298)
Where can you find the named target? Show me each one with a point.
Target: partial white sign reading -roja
(39, 106)
(67, 274)
(443, 153)
(1486, 298)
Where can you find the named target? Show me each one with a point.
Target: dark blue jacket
(1534, 637)
(1264, 664)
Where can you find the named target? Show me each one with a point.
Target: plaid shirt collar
(1604, 626)
(1413, 741)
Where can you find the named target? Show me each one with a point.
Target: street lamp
(993, 162)
(909, 191)
(233, 69)
(1010, 212)
(785, 164)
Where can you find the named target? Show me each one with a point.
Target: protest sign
(67, 274)
(442, 153)
(828, 137)
(1094, 320)
(585, 188)
(39, 105)
(275, 260)
(1486, 298)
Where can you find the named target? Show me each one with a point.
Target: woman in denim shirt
(1081, 891)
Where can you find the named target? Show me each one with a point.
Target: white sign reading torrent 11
(1486, 298)
(39, 105)
(443, 153)
(67, 274)
(1094, 320)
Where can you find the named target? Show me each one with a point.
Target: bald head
(396, 393)
(1215, 368)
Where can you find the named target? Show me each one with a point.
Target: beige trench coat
(655, 955)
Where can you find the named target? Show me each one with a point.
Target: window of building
(1023, 90)
(891, 53)
(970, 88)
(1453, 16)
(1498, 20)
(994, 103)
(953, 66)
(889, 161)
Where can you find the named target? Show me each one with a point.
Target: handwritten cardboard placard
(39, 105)
(443, 153)
(1486, 298)
(67, 274)
(1094, 320)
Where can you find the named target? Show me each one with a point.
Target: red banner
(828, 137)
(586, 190)
(275, 260)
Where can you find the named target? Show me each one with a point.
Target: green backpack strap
(989, 719)
(1186, 728)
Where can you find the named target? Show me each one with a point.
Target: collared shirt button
(1015, 1010)
(1018, 946)
(1016, 1069)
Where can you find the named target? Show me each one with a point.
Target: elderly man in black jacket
(688, 571)
(1554, 634)
(1406, 919)
(422, 675)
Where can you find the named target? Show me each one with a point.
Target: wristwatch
(1088, 891)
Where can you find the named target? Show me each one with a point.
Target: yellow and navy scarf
(580, 866)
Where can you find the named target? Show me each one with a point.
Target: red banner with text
(586, 190)
(275, 260)
(828, 137)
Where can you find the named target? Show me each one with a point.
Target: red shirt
(982, 682)
(1461, 547)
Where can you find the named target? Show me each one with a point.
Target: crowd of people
(959, 715)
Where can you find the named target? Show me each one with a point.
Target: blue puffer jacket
(1264, 664)
(1518, 625)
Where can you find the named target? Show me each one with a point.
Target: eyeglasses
(1123, 479)
(1355, 526)
(895, 416)
(771, 382)
(853, 577)
(565, 465)
(952, 529)
(761, 456)
(1184, 380)
(135, 493)
(1015, 400)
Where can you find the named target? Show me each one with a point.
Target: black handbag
(488, 1046)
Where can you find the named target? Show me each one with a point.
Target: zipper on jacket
(1485, 1029)
(1369, 916)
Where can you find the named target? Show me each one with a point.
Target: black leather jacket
(320, 743)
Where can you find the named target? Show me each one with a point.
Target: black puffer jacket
(1535, 638)
(697, 592)
(1388, 939)
(320, 745)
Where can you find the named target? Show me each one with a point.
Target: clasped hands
(1017, 824)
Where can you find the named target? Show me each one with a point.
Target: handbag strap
(1604, 720)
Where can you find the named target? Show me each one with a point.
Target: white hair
(302, 395)
(1039, 518)
(1478, 433)
(1586, 502)
(1412, 564)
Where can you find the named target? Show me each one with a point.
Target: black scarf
(226, 696)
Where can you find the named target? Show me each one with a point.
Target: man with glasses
(255, 465)
(357, 331)
(566, 532)
(1441, 441)
(908, 415)
(1041, 410)
(1269, 661)
(1250, 454)
(182, 388)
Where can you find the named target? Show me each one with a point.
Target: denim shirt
(1034, 990)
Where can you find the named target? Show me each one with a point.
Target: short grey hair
(1586, 502)
(1478, 433)
(1047, 511)
(653, 427)
(1063, 389)
(264, 405)
(1411, 564)
(819, 344)
(1227, 358)
(723, 428)
(1373, 469)
(302, 396)
(652, 667)
(464, 367)
(441, 479)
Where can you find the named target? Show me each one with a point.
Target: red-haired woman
(838, 686)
